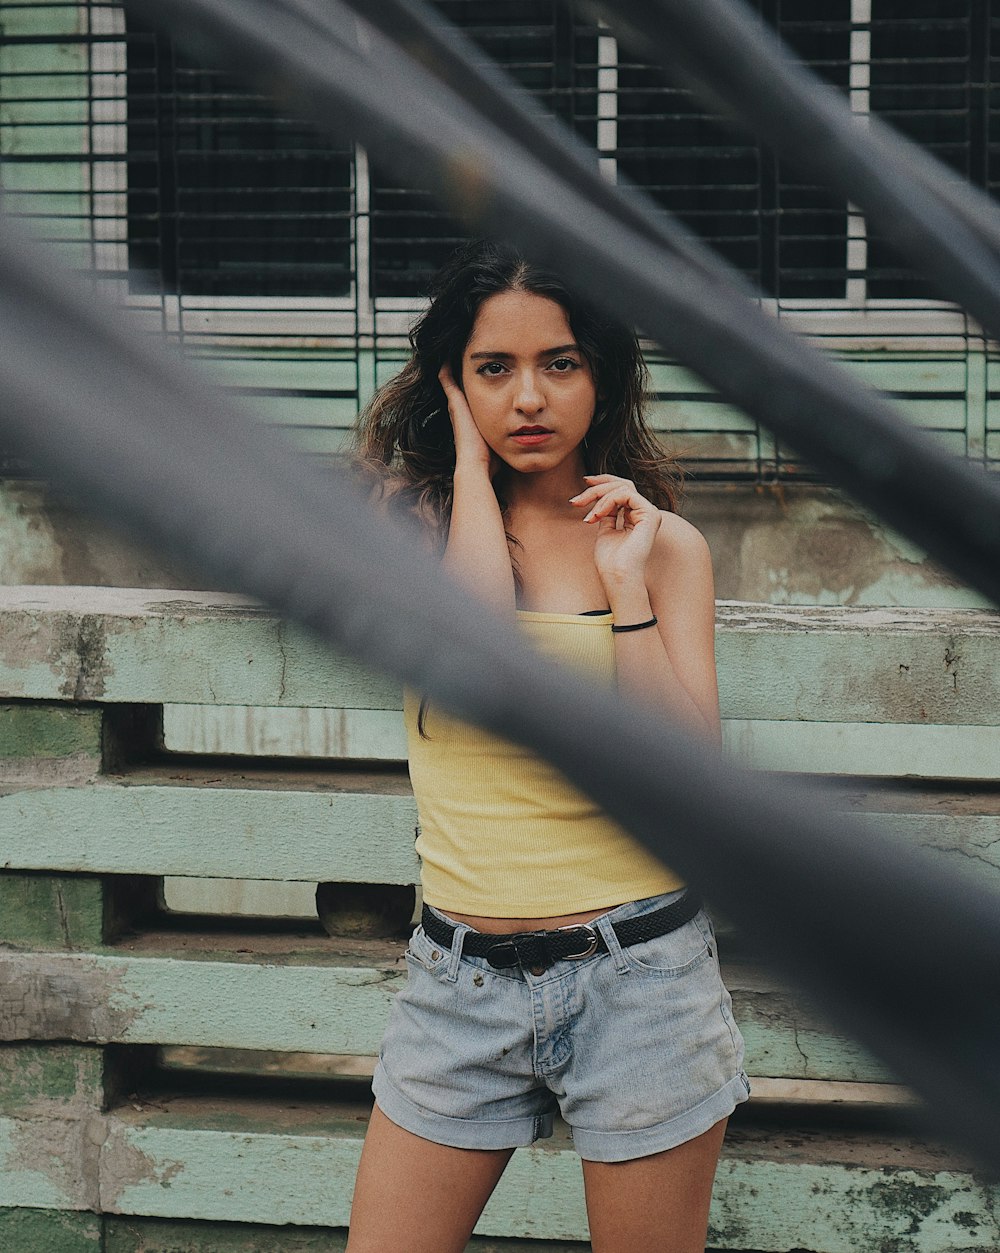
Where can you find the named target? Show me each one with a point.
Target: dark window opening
(929, 80)
(787, 236)
(227, 196)
(551, 54)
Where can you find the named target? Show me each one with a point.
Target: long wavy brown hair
(404, 434)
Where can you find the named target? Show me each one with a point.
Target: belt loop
(462, 929)
(603, 924)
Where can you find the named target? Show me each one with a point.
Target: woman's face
(529, 386)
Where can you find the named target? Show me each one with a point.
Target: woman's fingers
(458, 406)
(624, 497)
(610, 487)
(609, 506)
(599, 484)
(470, 447)
(453, 393)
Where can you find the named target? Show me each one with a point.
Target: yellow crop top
(502, 833)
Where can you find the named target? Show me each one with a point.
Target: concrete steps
(197, 1083)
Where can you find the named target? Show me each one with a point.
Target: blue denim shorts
(636, 1048)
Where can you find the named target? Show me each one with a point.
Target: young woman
(558, 966)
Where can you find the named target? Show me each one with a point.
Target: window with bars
(546, 49)
(788, 237)
(251, 238)
(930, 79)
(227, 196)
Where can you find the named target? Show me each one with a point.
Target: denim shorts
(636, 1048)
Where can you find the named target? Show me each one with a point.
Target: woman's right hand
(471, 450)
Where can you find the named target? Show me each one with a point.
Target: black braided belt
(537, 950)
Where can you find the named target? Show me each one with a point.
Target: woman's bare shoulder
(680, 538)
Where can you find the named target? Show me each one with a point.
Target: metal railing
(145, 444)
(297, 262)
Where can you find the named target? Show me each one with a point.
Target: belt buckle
(592, 941)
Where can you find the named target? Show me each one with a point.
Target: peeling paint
(221, 605)
(810, 545)
(62, 997)
(64, 1149)
(124, 1166)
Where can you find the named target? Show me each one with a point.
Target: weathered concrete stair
(90, 979)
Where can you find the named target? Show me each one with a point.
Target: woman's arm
(476, 553)
(652, 562)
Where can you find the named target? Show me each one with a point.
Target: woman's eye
(562, 365)
(491, 369)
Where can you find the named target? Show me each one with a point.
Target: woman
(558, 965)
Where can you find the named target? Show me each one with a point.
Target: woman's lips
(529, 435)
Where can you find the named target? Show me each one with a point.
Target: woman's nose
(529, 397)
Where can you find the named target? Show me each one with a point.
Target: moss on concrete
(50, 910)
(40, 909)
(55, 1072)
(49, 730)
(49, 1231)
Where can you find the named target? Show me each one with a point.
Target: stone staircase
(176, 1080)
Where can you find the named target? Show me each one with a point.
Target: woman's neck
(549, 491)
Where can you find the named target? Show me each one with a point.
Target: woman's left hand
(627, 524)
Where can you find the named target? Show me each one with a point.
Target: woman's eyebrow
(509, 356)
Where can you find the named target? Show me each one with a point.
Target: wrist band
(634, 626)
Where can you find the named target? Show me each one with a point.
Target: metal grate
(296, 267)
(226, 196)
(930, 80)
(788, 237)
(551, 54)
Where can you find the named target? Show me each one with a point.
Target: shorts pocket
(673, 954)
(423, 951)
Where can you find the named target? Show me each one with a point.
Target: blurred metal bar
(736, 63)
(435, 138)
(877, 931)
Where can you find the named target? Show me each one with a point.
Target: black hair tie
(634, 626)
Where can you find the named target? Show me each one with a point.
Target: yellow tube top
(502, 833)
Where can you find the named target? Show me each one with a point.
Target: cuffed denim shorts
(636, 1048)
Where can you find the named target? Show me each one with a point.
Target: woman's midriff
(509, 926)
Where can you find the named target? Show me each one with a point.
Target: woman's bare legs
(656, 1204)
(414, 1196)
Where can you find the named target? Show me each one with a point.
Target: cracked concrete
(282, 652)
(802, 1053)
